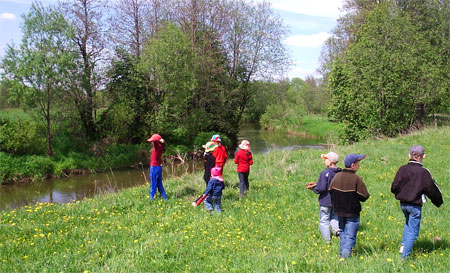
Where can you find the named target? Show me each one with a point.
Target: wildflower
(389, 259)
(294, 262)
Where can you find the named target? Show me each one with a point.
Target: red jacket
(158, 149)
(244, 159)
(220, 153)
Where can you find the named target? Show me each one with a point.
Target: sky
(310, 23)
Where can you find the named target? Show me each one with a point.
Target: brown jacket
(347, 190)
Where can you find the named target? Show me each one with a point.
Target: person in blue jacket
(214, 190)
(326, 216)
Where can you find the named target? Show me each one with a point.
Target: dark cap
(352, 158)
(417, 150)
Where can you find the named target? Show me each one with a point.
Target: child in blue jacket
(214, 190)
(326, 215)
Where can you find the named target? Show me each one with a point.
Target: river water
(70, 189)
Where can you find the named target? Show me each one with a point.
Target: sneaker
(337, 233)
(401, 249)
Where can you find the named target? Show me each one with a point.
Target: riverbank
(273, 229)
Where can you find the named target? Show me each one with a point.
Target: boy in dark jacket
(326, 214)
(347, 190)
(411, 183)
(209, 161)
(214, 190)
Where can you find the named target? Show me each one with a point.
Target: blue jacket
(323, 183)
(214, 187)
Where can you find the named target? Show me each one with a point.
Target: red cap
(154, 137)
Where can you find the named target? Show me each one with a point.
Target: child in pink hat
(214, 190)
(243, 159)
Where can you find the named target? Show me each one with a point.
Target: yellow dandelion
(294, 262)
(361, 258)
(389, 259)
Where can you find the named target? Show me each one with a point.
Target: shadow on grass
(188, 191)
(420, 247)
(428, 246)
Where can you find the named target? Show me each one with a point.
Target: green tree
(379, 82)
(168, 64)
(39, 70)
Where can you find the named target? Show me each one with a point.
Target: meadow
(273, 229)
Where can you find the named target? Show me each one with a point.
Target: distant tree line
(90, 70)
(387, 66)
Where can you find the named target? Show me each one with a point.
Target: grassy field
(319, 126)
(274, 229)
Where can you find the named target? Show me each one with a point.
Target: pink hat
(154, 137)
(332, 156)
(216, 173)
(245, 145)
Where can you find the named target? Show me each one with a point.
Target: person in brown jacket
(347, 190)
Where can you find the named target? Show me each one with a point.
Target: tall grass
(273, 229)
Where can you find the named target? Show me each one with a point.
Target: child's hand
(310, 185)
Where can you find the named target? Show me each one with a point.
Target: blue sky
(310, 22)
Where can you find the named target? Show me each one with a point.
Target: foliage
(21, 137)
(38, 71)
(273, 229)
(286, 113)
(387, 80)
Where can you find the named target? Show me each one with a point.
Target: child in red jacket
(219, 153)
(243, 159)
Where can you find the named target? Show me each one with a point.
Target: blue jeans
(413, 214)
(349, 229)
(327, 218)
(155, 174)
(213, 201)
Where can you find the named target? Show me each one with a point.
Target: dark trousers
(243, 183)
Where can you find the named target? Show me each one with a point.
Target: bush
(37, 167)
(21, 137)
(203, 137)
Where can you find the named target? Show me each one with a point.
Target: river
(70, 189)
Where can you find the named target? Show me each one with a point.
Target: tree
(254, 47)
(39, 70)
(128, 26)
(86, 17)
(380, 81)
(168, 65)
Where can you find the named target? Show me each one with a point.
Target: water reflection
(70, 189)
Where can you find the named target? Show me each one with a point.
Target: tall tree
(383, 76)
(254, 45)
(129, 28)
(41, 67)
(169, 66)
(86, 16)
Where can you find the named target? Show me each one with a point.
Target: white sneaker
(401, 249)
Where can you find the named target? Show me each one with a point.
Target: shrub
(21, 137)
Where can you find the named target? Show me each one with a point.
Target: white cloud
(325, 8)
(313, 40)
(7, 16)
(302, 72)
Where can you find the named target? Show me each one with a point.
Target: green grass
(319, 126)
(274, 229)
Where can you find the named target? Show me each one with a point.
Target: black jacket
(209, 161)
(411, 181)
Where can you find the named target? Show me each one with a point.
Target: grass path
(274, 229)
